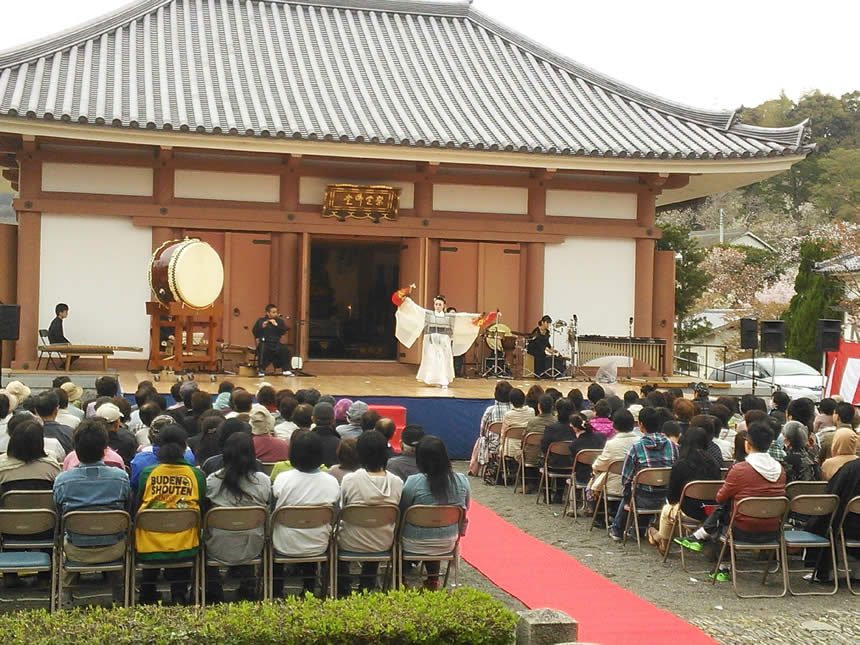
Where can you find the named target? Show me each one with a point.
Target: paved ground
(822, 620)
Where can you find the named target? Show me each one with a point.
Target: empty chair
(822, 506)
(851, 514)
(24, 547)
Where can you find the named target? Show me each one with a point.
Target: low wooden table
(71, 351)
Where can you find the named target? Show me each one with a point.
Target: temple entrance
(351, 315)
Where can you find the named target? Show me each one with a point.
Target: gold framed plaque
(371, 202)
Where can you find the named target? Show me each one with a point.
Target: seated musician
(55, 331)
(270, 351)
(539, 347)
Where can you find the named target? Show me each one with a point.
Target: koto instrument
(187, 272)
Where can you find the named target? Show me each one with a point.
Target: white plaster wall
(579, 203)
(98, 266)
(312, 189)
(480, 199)
(231, 186)
(101, 179)
(593, 278)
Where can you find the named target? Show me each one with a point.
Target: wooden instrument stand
(184, 320)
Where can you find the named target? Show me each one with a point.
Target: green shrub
(464, 617)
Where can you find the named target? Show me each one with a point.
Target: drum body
(186, 271)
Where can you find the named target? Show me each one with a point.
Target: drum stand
(575, 369)
(553, 372)
(183, 320)
(495, 370)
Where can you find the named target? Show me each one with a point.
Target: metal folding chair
(815, 506)
(433, 517)
(603, 498)
(95, 523)
(513, 432)
(547, 475)
(492, 429)
(805, 488)
(701, 490)
(167, 520)
(587, 457)
(27, 499)
(47, 353)
(383, 516)
(760, 508)
(531, 442)
(239, 519)
(852, 507)
(654, 477)
(23, 549)
(303, 517)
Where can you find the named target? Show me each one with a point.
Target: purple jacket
(603, 425)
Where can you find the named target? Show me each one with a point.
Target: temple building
(523, 181)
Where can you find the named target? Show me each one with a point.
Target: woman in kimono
(445, 334)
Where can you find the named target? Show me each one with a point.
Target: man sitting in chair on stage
(270, 351)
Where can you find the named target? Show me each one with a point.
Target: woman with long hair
(436, 484)
(694, 463)
(237, 483)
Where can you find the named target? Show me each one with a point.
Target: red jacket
(744, 481)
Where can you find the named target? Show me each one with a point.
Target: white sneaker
(287, 373)
(444, 387)
(261, 374)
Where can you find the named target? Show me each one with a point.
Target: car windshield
(789, 367)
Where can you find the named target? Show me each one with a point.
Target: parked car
(795, 378)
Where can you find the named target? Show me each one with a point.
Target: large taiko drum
(186, 271)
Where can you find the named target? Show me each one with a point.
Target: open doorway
(351, 282)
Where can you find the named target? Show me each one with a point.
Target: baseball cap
(109, 412)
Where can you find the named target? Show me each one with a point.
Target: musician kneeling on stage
(270, 351)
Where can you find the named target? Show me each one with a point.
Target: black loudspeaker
(749, 333)
(10, 322)
(829, 332)
(773, 336)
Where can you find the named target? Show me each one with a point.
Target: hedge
(464, 617)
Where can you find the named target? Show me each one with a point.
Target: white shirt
(295, 488)
(285, 429)
(67, 418)
(53, 448)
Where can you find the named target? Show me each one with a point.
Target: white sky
(706, 54)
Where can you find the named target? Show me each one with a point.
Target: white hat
(109, 412)
(74, 392)
(261, 420)
(13, 400)
(17, 388)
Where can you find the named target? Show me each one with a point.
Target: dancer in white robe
(445, 334)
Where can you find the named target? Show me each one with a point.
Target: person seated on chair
(405, 464)
(55, 330)
(615, 448)
(241, 402)
(487, 443)
(759, 475)
(64, 417)
(93, 486)
(559, 431)
(148, 455)
(370, 485)
(694, 464)
(586, 439)
(434, 485)
(541, 350)
(653, 450)
(517, 417)
(120, 439)
(26, 466)
(267, 447)
(270, 351)
(352, 427)
(47, 406)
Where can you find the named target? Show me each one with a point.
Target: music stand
(575, 368)
(553, 371)
(495, 370)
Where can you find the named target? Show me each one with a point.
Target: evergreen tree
(816, 296)
(690, 280)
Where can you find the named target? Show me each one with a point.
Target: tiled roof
(846, 263)
(711, 237)
(398, 72)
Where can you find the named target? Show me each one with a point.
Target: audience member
(594, 393)
(266, 398)
(386, 428)
(148, 456)
(241, 404)
(120, 439)
(404, 464)
(47, 406)
(602, 420)
(710, 424)
(517, 417)
(779, 403)
(64, 417)
(74, 394)
(347, 459)
(798, 463)
(208, 445)
(843, 448)
(554, 432)
(225, 431)
(434, 484)
(340, 409)
(586, 439)
(824, 418)
(843, 417)
(286, 406)
(615, 449)
(324, 428)
(488, 443)
(147, 413)
(303, 416)
(26, 466)
(267, 447)
(701, 397)
(369, 420)
(352, 428)
(370, 485)
(538, 424)
(237, 483)
(535, 392)
(846, 484)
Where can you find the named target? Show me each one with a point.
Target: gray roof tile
(397, 72)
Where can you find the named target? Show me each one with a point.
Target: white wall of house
(580, 203)
(593, 278)
(460, 198)
(230, 186)
(99, 179)
(99, 267)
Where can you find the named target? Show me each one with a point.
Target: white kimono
(445, 336)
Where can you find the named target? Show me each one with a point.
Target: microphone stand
(576, 369)
(630, 348)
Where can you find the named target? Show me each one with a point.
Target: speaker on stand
(10, 329)
(827, 338)
(773, 342)
(749, 340)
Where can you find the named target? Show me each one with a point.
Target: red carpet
(540, 575)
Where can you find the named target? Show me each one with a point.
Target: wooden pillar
(532, 285)
(643, 306)
(8, 278)
(28, 265)
(432, 269)
(304, 295)
(285, 267)
(663, 323)
(161, 234)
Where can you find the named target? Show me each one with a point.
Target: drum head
(198, 275)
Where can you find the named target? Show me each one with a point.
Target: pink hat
(340, 409)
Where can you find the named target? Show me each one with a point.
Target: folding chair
(369, 517)
(701, 490)
(760, 508)
(532, 440)
(513, 432)
(614, 468)
(492, 429)
(805, 488)
(240, 519)
(167, 520)
(654, 477)
(433, 517)
(853, 506)
(547, 475)
(816, 506)
(588, 457)
(28, 499)
(22, 548)
(95, 523)
(48, 353)
(302, 517)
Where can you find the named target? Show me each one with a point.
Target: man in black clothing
(542, 352)
(323, 417)
(268, 331)
(47, 406)
(55, 331)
